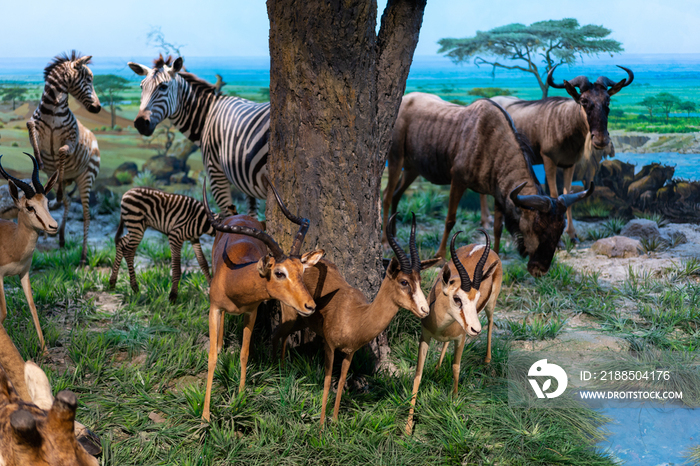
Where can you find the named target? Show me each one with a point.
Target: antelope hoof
(173, 297)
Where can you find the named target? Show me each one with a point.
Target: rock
(124, 174)
(617, 246)
(616, 175)
(674, 236)
(163, 167)
(181, 178)
(641, 228)
(650, 178)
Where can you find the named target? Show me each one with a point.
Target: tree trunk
(113, 110)
(335, 88)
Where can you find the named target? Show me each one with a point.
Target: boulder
(641, 228)
(650, 178)
(163, 167)
(673, 235)
(124, 174)
(617, 247)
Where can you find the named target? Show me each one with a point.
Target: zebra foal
(60, 143)
(181, 218)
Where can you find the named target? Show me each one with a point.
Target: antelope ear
(572, 91)
(311, 258)
(51, 182)
(394, 268)
(139, 69)
(489, 271)
(13, 191)
(265, 264)
(38, 386)
(426, 264)
(445, 277)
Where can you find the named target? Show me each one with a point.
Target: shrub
(117, 128)
(14, 144)
(146, 179)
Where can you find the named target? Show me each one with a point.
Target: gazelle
(455, 302)
(245, 275)
(32, 387)
(346, 319)
(18, 240)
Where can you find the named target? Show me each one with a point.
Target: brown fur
(244, 276)
(54, 443)
(346, 319)
(474, 147)
(440, 325)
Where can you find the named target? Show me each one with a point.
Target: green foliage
(539, 328)
(14, 144)
(489, 92)
(667, 102)
(552, 42)
(653, 244)
(613, 226)
(14, 94)
(146, 179)
(109, 87)
(687, 106)
(650, 103)
(660, 220)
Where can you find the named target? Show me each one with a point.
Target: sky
(240, 28)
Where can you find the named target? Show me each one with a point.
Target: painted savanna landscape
(209, 259)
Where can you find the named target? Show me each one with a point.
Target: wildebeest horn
(569, 199)
(479, 269)
(28, 190)
(400, 254)
(581, 82)
(550, 79)
(532, 202)
(466, 283)
(272, 245)
(303, 222)
(415, 259)
(616, 87)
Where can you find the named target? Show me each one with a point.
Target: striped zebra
(59, 141)
(232, 133)
(182, 218)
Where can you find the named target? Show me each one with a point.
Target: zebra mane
(161, 61)
(60, 59)
(198, 83)
(524, 144)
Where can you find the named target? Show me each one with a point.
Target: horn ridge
(550, 79)
(28, 190)
(272, 245)
(400, 253)
(479, 269)
(302, 222)
(415, 259)
(35, 175)
(466, 283)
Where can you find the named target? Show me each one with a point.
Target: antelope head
(159, 90)
(33, 436)
(282, 273)
(463, 293)
(541, 225)
(594, 99)
(34, 206)
(404, 274)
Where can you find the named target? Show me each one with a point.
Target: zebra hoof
(172, 297)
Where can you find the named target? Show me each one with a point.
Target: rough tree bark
(335, 88)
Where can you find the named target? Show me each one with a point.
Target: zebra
(181, 218)
(60, 142)
(232, 132)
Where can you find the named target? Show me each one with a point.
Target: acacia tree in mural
(335, 87)
(548, 43)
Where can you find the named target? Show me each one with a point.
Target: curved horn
(272, 245)
(581, 82)
(569, 199)
(479, 269)
(605, 81)
(532, 202)
(466, 283)
(400, 254)
(35, 175)
(303, 222)
(550, 79)
(28, 190)
(616, 87)
(415, 259)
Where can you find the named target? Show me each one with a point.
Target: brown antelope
(476, 147)
(245, 275)
(18, 240)
(561, 131)
(455, 302)
(33, 388)
(346, 319)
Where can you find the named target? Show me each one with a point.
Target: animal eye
(30, 208)
(163, 86)
(404, 283)
(280, 275)
(458, 301)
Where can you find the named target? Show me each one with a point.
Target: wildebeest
(560, 130)
(476, 147)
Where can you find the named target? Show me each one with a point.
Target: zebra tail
(120, 232)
